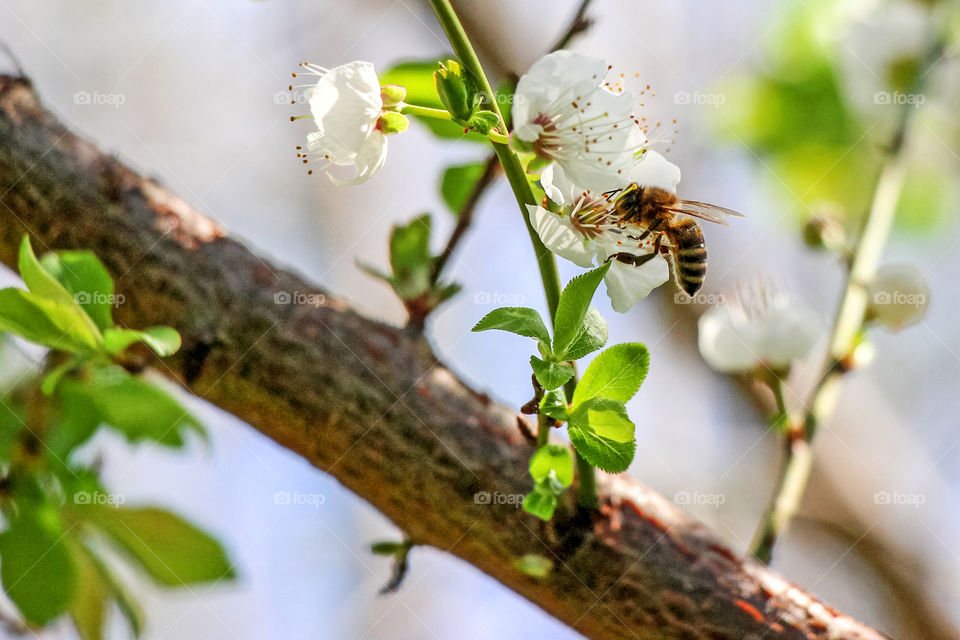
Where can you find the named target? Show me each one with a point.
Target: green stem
(517, 177)
(426, 112)
(798, 457)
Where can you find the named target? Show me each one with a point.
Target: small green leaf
(132, 406)
(572, 308)
(84, 276)
(483, 121)
(49, 384)
(458, 182)
(616, 373)
(457, 90)
(410, 257)
(51, 323)
(593, 335)
(37, 279)
(551, 375)
(89, 606)
(552, 458)
(554, 404)
(165, 341)
(603, 434)
(534, 565)
(173, 551)
(37, 570)
(540, 504)
(522, 321)
(126, 602)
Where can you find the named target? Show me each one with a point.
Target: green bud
(483, 121)
(825, 232)
(392, 95)
(392, 122)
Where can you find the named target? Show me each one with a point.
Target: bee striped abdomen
(690, 255)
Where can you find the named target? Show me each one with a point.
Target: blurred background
(781, 113)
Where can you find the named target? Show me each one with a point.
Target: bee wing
(704, 211)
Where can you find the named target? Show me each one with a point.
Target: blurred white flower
(898, 296)
(346, 105)
(566, 113)
(589, 233)
(759, 328)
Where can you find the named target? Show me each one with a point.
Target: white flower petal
(722, 345)
(627, 284)
(558, 234)
(785, 334)
(549, 77)
(653, 170)
(369, 159)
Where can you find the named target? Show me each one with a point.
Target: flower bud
(824, 231)
(898, 296)
(392, 95)
(392, 122)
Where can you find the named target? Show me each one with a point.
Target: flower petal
(345, 104)
(653, 170)
(558, 234)
(723, 344)
(627, 284)
(551, 76)
(786, 333)
(369, 159)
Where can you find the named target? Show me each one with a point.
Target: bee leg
(629, 258)
(649, 230)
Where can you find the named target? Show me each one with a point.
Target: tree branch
(371, 405)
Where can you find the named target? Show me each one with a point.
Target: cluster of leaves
(799, 115)
(58, 516)
(597, 422)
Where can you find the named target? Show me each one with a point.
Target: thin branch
(579, 24)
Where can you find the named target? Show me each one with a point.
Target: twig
(580, 23)
(798, 457)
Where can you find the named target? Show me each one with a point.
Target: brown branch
(371, 405)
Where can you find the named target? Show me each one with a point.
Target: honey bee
(656, 211)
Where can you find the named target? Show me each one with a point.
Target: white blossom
(759, 328)
(346, 105)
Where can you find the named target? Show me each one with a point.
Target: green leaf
(552, 458)
(483, 121)
(522, 321)
(603, 434)
(126, 602)
(51, 323)
(616, 373)
(534, 565)
(457, 90)
(554, 404)
(136, 408)
(50, 381)
(593, 335)
(458, 182)
(173, 551)
(37, 279)
(540, 504)
(410, 257)
(89, 606)
(551, 375)
(572, 308)
(165, 341)
(37, 570)
(84, 276)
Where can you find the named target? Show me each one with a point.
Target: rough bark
(371, 405)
